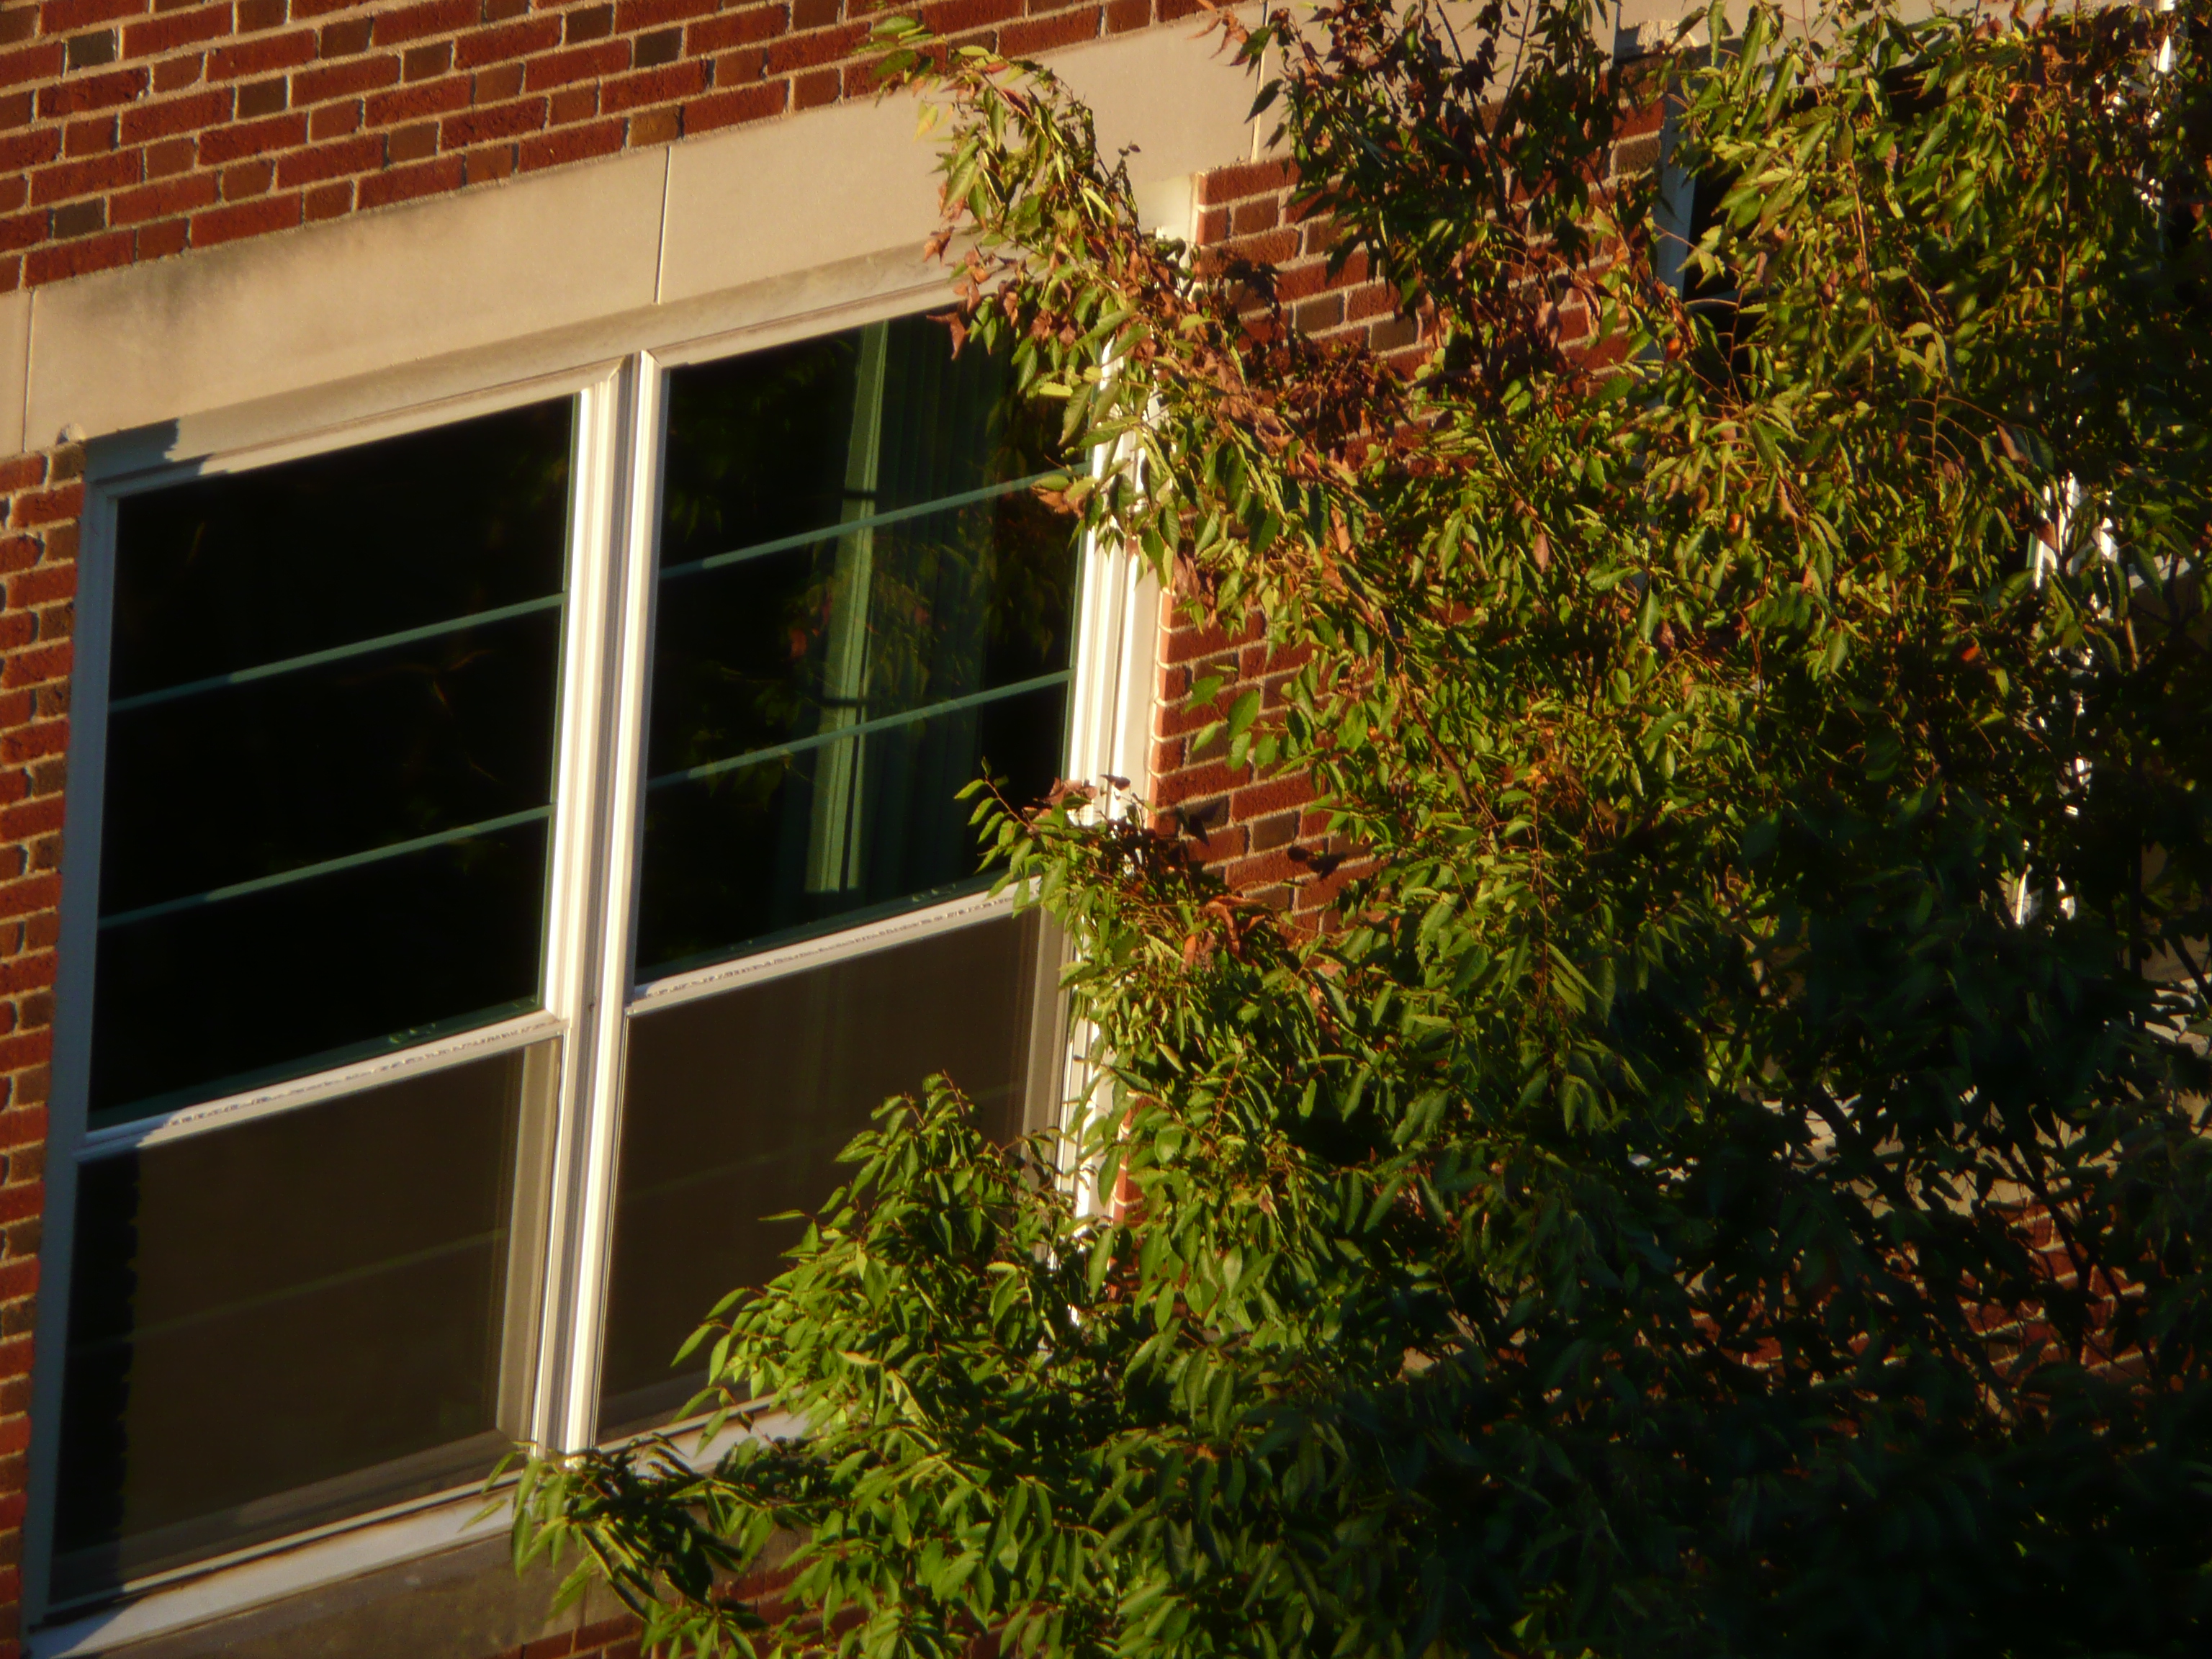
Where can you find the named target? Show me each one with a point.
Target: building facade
(502, 581)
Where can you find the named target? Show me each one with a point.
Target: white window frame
(596, 835)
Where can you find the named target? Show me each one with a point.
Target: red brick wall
(137, 129)
(1259, 833)
(43, 496)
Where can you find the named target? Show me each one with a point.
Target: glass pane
(858, 589)
(330, 756)
(735, 1106)
(288, 1322)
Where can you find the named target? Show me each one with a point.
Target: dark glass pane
(421, 767)
(231, 572)
(735, 1106)
(965, 602)
(317, 973)
(286, 1322)
(778, 848)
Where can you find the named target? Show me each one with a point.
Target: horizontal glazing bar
(335, 654)
(831, 531)
(328, 866)
(859, 729)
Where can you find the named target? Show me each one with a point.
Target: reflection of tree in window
(860, 606)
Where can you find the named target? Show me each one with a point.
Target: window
(527, 850)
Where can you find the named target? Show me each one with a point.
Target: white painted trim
(377, 1070)
(209, 1591)
(803, 954)
(123, 465)
(584, 1175)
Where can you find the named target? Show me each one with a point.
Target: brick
(200, 110)
(262, 98)
(18, 23)
(345, 80)
(633, 15)
(815, 89)
(748, 27)
(344, 39)
(412, 143)
(496, 85)
(22, 472)
(804, 51)
(275, 51)
(253, 138)
(66, 16)
(30, 1198)
(413, 22)
(254, 14)
(44, 507)
(254, 218)
(18, 1279)
(79, 218)
(817, 13)
(329, 201)
(175, 29)
(414, 103)
(592, 23)
(661, 46)
(489, 165)
(363, 154)
(101, 172)
(90, 50)
(658, 127)
(28, 149)
(404, 184)
(570, 144)
(483, 125)
(584, 63)
(170, 156)
(1230, 184)
(248, 180)
(92, 92)
(19, 898)
(174, 72)
(729, 109)
(1043, 33)
(1122, 15)
(576, 104)
(39, 63)
(421, 63)
(535, 34)
(89, 138)
(662, 86)
(334, 120)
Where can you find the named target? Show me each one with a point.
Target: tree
(1731, 1178)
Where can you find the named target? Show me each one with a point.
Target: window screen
(736, 1106)
(297, 1319)
(329, 757)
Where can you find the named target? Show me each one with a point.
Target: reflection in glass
(330, 756)
(293, 1320)
(861, 606)
(735, 1106)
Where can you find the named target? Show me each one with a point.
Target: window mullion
(599, 796)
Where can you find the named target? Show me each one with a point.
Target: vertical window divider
(67, 1094)
(600, 796)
